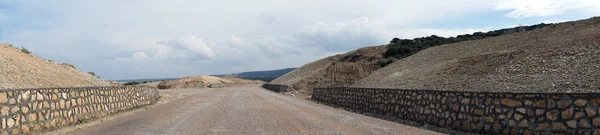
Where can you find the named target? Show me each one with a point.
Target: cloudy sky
(128, 39)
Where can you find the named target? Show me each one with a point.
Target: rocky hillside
(338, 70)
(562, 57)
(22, 70)
(201, 82)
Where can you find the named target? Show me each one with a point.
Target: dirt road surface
(246, 109)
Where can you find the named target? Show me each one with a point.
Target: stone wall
(27, 110)
(277, 87)
(476, 112)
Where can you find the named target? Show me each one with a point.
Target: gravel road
(247, 109)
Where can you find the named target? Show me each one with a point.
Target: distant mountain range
(266, 76)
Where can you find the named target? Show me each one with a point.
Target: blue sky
(128, 39)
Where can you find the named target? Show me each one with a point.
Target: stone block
(567, 114)
(553, 114)
(580, 102)
(572, 123)
(564, 103)
(558, 127)
(511, 103)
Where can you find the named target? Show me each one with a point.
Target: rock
(10, 122)
(595, 101)
(591, 111)
(518, 117)
(539, 111)
(558, 127)
(567, 114)
(478, 112)
(465, 101)
(5, 110)
(511, 103)
(551, 104)
(3, 97)
(580, 102)
(524, 123)
(540, 104)
(543, 126)
(572, 123)
(32, 117)
(596, 122)
(522, 110)
(584, 123)
(553, 115)
(564, 103)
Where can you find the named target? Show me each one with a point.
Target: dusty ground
(560, 58)
(244, 110)
(21, 70)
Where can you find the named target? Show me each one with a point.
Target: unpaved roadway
(246, 109)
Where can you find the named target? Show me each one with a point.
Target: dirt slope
(201, 82)
(338, 70)
(21, 70)
(562, 57)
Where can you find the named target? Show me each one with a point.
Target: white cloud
(203, 37)
(343, 36)
(542, 8)
(189, 48)
(136, 56)
(192, 47)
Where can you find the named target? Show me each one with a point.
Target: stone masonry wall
(277, 87)
(27, 110)
(476, 112)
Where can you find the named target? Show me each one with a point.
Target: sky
(133, 39)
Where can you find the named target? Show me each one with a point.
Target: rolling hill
(562, 57)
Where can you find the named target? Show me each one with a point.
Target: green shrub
(401, 48)
(385, 61)
(24, 50)
(132, 83)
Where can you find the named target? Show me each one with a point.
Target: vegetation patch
(402, 48)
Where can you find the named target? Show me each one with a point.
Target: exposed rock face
(201, 82)
(21, 70)
(338, 70)
(563, 57)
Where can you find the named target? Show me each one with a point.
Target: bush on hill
(132, 83)
(401, 48)
(24, 50)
